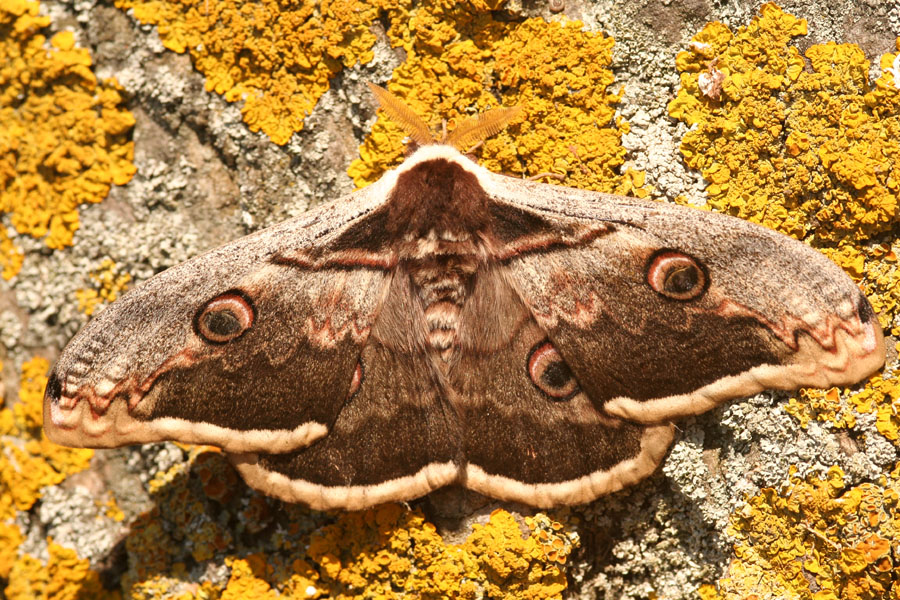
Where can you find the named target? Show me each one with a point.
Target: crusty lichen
(11, 256)
(807, 145)
(203, 514)
(64, 576)
(276, 57)
(28, 460)
(279, 59)
(804, 144)
(108, 284)
(392, 552)
(816, 539)
(557, 72)
(387, 552)
(64, 135)
(10, 540)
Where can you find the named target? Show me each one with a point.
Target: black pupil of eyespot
(223, 322)
(682, 279)
(557, 374)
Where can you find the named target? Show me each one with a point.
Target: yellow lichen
(277, 57)
(63, 577)
(28, 460)
(386, 552)
(816, 540)
(826, 406)
(880, 395)
(803, 145)
(63, 134)
(884, 394)
(10, 540)
(708, 591)
(11, 256)
(876, 270)
(248, 580)
(557, 72)
(108, 284)
(392, 552)
(112, 510)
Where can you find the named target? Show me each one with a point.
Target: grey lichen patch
(10, 329)
(78, 518)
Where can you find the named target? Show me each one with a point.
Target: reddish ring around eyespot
(225, 318)
(677, 275)
(549, 372)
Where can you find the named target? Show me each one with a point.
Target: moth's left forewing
(672, 310)
(226, 348)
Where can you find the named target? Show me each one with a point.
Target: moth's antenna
(480, 127)
(403, 115)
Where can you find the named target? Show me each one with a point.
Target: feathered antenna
(469, 132)
(403, 116)
(480, 127)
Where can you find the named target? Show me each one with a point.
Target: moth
(448, 325)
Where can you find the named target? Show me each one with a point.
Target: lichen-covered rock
(134, 136)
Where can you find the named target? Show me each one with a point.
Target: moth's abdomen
(442, 280)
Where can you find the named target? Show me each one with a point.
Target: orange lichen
(881, 395)
(11, 256)
(389, 552)
(249, 574)
(826, 406)
(28, 460)
(386, 552)
(63, 577)
(805, 146)
(884, 394)
(276, 57)
(10, 540)
(63, 134)
(817, 540)
(557, 72)
(152, 552)
(112, 510)
(108, 284)
(875, 268)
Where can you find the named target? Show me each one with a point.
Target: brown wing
(531, 434)
(396, 438)
(251, 346)
(671, 311)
